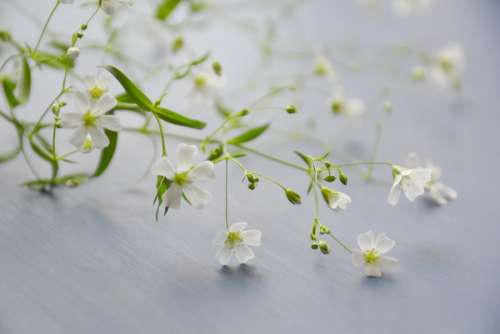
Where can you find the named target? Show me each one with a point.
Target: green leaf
(4, 157)
(107, 153)
(307, 159)
(52, 60)
(175, 118)
(42, 153)
(25, 82)
(248, 135)
(165, 8)
(9, 87)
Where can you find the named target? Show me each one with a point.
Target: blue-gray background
(92, 260)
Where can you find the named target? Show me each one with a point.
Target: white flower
(448, 66)
(336, 200)
(323, 67)
(371, 253)
(406, 7)
(439, 192)
(90, 120)
(73, 52)
(185, 178)
(236, 241)
(97, 85)
(350, 107)
(411, 181)
(206, 83)
(110, 6)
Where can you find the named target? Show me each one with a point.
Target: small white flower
(90, 120)
(206, 83)
(185, 178)
(371, 253)
(323, 67)
(73, 52)
(110, 6)
(335, 200)
(350, 107)
(411, 181)
(236, 241)
(406, 7)
(97, 85)
(448, 66)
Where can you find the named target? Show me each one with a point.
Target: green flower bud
(337, 106)
(217, 68)
(242, 113)
(56, 108)
(177, 44)
(323, 229)
(215, 153)
(251, 186)
(343, 178)
(5, 36)
(292, 196)
(388, 108)
(314, 245)
(330, 178)
(83, 27)
(324, 247)
(291, 109)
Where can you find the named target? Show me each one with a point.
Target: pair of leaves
(18, 93)
(141, 99)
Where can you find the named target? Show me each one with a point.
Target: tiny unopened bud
(292, 196)
(343, 178)
(330, 178)
(291, 109)
(56, 108)
(177, 44)
(418, 73)
(73, 52)
(314, 245)
(388, 106)
(217, 68)
(242, 113)
(215, 153)
(337, 106)
(72, 183)
(324, 247)
(83, 27)
(324, 229)
(5, 36)
(251, 186)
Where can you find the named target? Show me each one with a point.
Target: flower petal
(89, 81)
(202, 172)
(252, 237)
(220, 238)
(395, 192)
(237, 227)
(224, 255)
(372, 270)
(163, 167)
(82, 101)
(197, 196)
(387, 262)
(383, 244)
(98, 137)
(185, 155)
(104, 104)
(102, 79)
(71, 119)
(243, 253)
(173, 196)
(78, 137)
(358, 258)
(110, 122)
(366, 241)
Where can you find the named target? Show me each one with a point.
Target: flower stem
(162, 135)
(270, 157)
(44, 29)
(369, 172)
(347, 248)
(226, 195)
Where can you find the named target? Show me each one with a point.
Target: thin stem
(366, 163)
(316, 203)
(369, 172)
(226, 193)
(44, 29)
(8, 60)
(347, 248)
(270, 157)
(64, 156)
(162, 136)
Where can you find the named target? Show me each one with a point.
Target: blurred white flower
(407, 7)
(97, 85)
(206, 83)
(110, 6)
(236, 241)
(73, 52)
(342, 105)
(371, 252)
(411, 181)
(448, 66)
(323, 67)
(90, 121)
(335, 200)
(185, 178)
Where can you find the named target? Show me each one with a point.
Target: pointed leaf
(107, 153)
(249, 135)
(165, 8)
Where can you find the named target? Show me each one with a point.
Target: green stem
(270, 157)
(162, 135)
(369, 173)
(44, 29)
(226, 200)
(347, 248)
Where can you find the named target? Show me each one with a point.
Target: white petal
(220, 238)
(243, 253)
(412, 189)
(372, 270)
(202, 172)
(78, 137)
(98, 137)
(163, 167)
(71, 119)
(224, 255)
(89, 81)
(237, 227)
(355, 107)
(185, 155)
(383, 244)
(366, 241)
(395, 192)
(197, 196)
(104, 104)
(102, 79)
(82, 101)
(358, 258)
(173, 196)
(421, 175)
(110, 122)
(387, 262)
(252, 237)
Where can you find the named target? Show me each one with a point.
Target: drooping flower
(97, 85)
(407, 7)
(236, 241)
(90, 120)
(342, 105)
(185, 178)
(110, 6)
(411, 181)
(370, 255)
(73, 52)
(335, 200)
(448, 66)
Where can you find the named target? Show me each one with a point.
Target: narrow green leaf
(9, 87)
(4, 157)
(132, 90)
(307, 159)
(175, 118)
(107, 153)
(42, 153)
(249, 135)
(52, 60)
(25, 82)
(165, 8)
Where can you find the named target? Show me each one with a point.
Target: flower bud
(324, 247)
(314, 245)
(217, 68)
(177, 44)
(342, 177)
(83, 27)
(242, 113)
(73, 52)
(330, 178)
(323, 229)
(292, 196)
(251, 186)
(418, 73)
(56, 108)
(291, 109)
(215, 153)
(337, 106)
(388, 108)
(5, 36)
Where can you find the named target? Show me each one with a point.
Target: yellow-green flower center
(446, 65)
(371, 256)
(337, 106)
(200, 81)
(89, 120)
(181, 178)
(96, 92)
(88, 144)
(233, 239)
